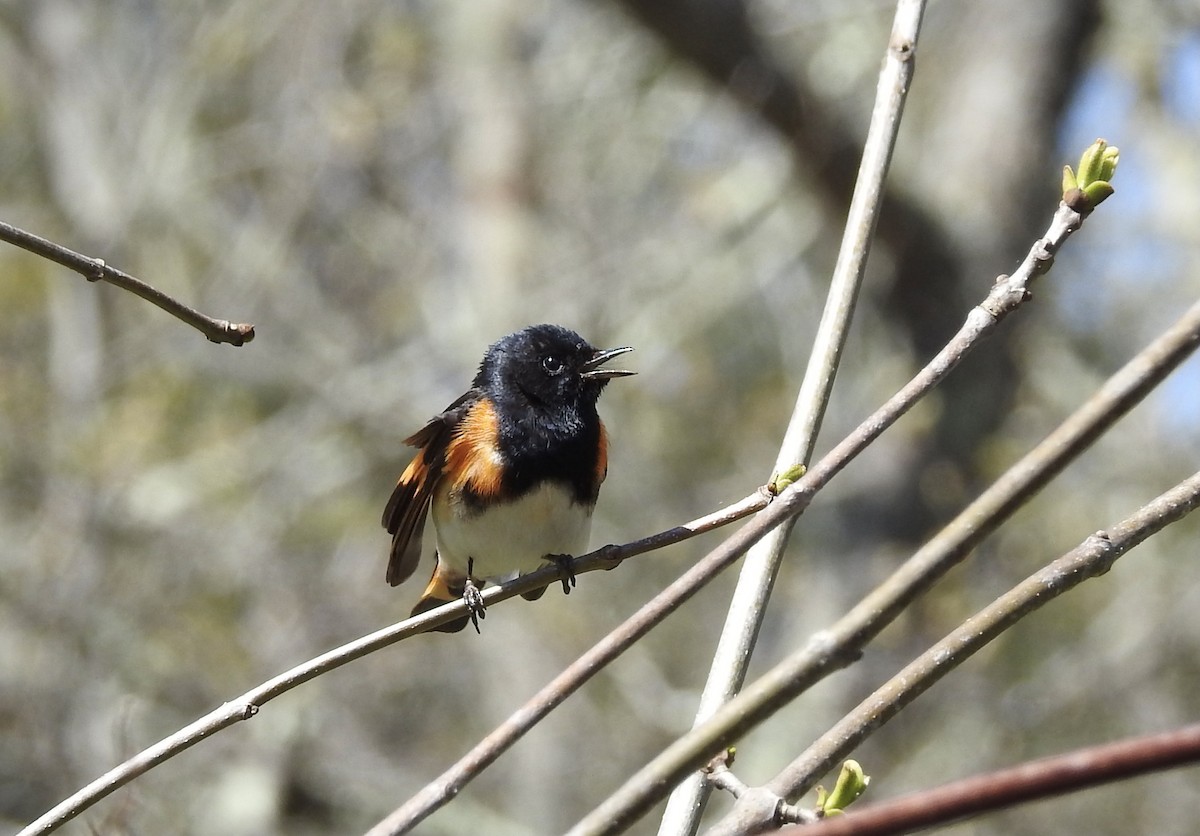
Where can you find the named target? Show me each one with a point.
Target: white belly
(514, 537)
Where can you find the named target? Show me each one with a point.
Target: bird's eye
(552, 365)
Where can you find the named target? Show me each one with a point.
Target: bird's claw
(566, 570)
(473, 598)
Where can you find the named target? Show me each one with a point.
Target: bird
(510, 471)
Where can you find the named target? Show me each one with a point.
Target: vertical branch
(748, 605)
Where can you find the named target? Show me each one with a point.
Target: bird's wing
(404, 516)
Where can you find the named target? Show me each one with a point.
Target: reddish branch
(1039, 779)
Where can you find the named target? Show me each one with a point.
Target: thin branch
(1044, 778)
(94, 269)
(749, 601)
(840, 644)
(249, 703)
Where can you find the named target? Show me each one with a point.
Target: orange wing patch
(473, 461)
(408, 506)
(404, 518)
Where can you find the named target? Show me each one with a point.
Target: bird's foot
(566, 570)
(472, 597)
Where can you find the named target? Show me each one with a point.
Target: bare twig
(94, 269)
(749, 601)
(248, 704)
(1038, 779)
(840, 644)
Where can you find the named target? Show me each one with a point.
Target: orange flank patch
(602, 456)
(443, 586)
(473, 455)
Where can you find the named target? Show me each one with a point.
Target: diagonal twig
(94, 269)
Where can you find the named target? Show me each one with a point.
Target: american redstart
(511, 470)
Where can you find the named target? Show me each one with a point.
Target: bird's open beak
(592, 372)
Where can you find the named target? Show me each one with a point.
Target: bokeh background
(383, 188)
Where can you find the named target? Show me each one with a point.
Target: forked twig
(841, 643)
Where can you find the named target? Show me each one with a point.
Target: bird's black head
(549, 367)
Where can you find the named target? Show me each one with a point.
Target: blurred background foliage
(384, 188)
